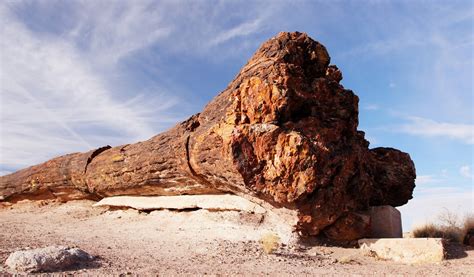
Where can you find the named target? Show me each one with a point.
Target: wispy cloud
(54, 99)
(62, 80)
(427, 179)
(110, 32)
(371, 107)
(435, 71)
(373, 140)
(383, 46)
(4, 172)
(429, 203)
(243, 29)
(430, 128)
(466, 171)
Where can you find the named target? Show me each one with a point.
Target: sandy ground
(189, 243)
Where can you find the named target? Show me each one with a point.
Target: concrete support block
(386, 222)
(408, 250)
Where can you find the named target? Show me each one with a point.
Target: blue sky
(81, 74)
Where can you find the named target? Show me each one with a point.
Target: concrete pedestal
(386, 222)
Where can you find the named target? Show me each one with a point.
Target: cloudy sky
(81, 74)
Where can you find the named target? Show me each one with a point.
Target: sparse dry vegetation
(348, 260)
(372, 254)
(270, 242)
(450, 227)
(438, 231)
(468, 228)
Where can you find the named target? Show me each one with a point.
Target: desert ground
(195, 242)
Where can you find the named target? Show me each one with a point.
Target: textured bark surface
(350, 227)
(284, 131)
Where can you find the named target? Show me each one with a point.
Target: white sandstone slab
(407, 250)
(223, 202)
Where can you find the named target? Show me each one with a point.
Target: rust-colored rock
(351, 227)
(284, 131)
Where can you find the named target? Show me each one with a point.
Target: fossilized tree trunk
(284, 131)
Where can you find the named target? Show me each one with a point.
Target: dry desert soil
(196, 242)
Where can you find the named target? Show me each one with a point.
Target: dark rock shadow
(455, 250)
(321, 240)
(95, 263)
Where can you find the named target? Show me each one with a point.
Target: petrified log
(284, 131)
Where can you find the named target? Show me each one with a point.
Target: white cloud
(404, 39)
(428, 204)
(59, 91)
(426, 179)
(111, 32)
(371, 107)
(444, 173)
(466, 171)
(433, 195)
(4, 172)
(437, 68)
(372, 140)
(243, 29)
(431, 128)
(52, 97)
(213, 30)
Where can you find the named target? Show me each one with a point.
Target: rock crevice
(95, 153)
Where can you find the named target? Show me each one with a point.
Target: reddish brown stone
(284, 130)
(351, 227)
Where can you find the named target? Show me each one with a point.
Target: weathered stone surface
(350, 228)
(386, 222)
(283, 131)
(376, 222)
(52, 258)
(407, 250)
(225, 202)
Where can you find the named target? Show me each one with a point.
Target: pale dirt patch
(193, 242)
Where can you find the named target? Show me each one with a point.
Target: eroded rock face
(284, 130)
(350, 227)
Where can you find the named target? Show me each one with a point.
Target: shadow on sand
(456, 250)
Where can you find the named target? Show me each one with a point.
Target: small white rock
(52, 258)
